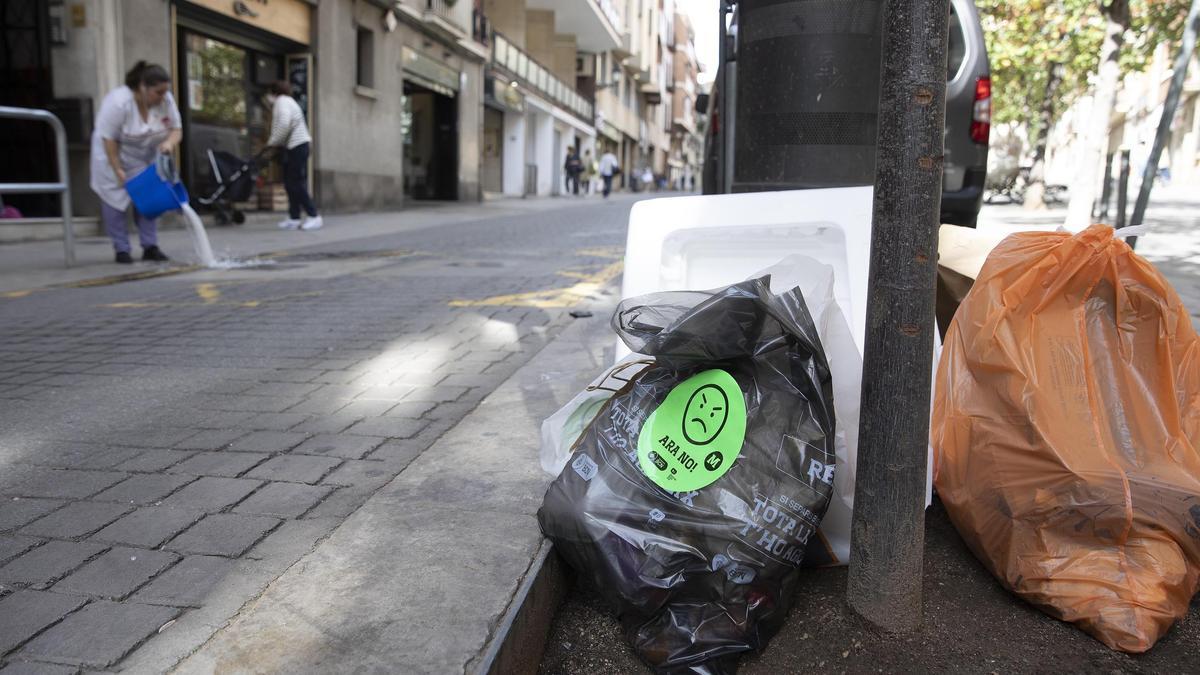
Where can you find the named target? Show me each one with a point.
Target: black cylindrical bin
(808, 94)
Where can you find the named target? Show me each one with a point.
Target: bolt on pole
(888, 535)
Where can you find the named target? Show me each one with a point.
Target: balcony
(596, 24)
(625, 49)
(446, 17)
(481, 28)
(653, 92)
(684, 122)
(537, 78)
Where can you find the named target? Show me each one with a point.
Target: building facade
(407, 100)
(393, 91)
(540, 89)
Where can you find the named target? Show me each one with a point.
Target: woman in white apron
(135, 123)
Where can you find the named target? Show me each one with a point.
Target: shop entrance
(493, 150)
(430, 143)
(25, 82)
(222, 98)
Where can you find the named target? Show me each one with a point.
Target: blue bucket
(153, 196)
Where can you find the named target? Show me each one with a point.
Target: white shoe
(313, 223)
(289, 224)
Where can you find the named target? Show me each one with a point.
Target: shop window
(366, 58)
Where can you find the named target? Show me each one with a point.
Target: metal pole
(1106, 191)
(1164, 123)
(723, 101)
(1123, 190)
(888, 535)
(64, 177)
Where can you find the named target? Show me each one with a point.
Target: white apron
(119, 120)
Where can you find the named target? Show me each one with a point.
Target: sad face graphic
(705, 414)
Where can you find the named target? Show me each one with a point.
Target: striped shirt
(287, 124)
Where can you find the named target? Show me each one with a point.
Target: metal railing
(539, 78)
(62, 187)
(439, 7)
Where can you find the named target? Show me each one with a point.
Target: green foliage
(1025, 36)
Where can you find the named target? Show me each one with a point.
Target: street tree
(1186, 49)
(1153, 22)
(1095, 142)
(1041, 53)
(1046, 53)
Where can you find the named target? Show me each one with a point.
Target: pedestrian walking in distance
(136, 121)
(608, 168)
(290, 132)
(590, 169)
(573, 167)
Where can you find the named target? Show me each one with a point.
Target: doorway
(430, 144)
(25, 81)
(493, 150)
(222, 100)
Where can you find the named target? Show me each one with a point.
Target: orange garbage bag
(1065, 428)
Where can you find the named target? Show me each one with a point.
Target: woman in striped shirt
(289, 131)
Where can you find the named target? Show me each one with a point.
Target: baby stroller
(234, 178)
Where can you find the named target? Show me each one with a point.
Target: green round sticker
(696, 434)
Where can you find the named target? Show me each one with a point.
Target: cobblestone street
(173, 444)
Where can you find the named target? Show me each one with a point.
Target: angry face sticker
(693, 438)
(705, 414)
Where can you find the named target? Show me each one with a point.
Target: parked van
(968, 119)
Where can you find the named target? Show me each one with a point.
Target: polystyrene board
(710, 241)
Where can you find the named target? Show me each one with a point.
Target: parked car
(968, 118)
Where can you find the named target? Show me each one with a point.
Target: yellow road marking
(573, 275)
(611, 252)
(209, 293)
(552, 298)
(213, 303)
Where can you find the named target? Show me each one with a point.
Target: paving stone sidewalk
(166, 455)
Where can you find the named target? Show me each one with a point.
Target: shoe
(289, 224)
(313, 223)
(155, 254)
(124, 258)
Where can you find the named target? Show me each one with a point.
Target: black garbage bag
(689, 499)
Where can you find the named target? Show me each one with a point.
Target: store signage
(290, 18)
(432, 73)
(240, 8)
(512, 97)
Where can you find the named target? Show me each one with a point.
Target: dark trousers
(607, 184)
(573, 183)
(295, 181)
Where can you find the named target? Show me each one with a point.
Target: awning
(609, 131)
(429, 73)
